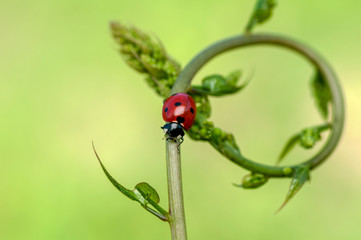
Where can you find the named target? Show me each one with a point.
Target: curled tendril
(230, 150)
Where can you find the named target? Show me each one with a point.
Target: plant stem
(175, 192)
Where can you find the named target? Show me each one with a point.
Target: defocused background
(63, 84)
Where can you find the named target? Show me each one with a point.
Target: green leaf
(321, 93)
(307, 139)
(143, 193)
(148, 192)
(301, 175)
(129, 193)
(252, 180)
(217, 85)
(233, 78)
(261, 13)
(288, 147)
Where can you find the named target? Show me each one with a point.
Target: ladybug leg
(167, 137)
(181, 140)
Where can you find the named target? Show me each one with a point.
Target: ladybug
(179, 110)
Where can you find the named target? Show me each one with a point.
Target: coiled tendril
(230, 150)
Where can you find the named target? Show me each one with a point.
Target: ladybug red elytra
(180, 111)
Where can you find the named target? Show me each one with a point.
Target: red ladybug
(180, 111)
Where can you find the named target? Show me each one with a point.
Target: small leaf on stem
(218, 85)
(233, 77)
(288, 147)
(321, 93)
(301, 175)
(307, 139)
(143, 193)
(261, 13)
(147, 191)
(129, 193)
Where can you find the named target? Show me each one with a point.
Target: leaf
(301, 175)
(129, 193)
(321, 93)
(233, 78)
(252, 180)
(217, 85)
(307, 139)
(148, 192)
(261, 13)
(143, 193)
(288, 147)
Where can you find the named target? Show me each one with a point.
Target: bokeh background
(63, 84)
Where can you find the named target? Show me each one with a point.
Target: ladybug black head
(173, 130)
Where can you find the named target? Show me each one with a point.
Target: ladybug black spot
(192, 110)
(180, 119)
(166, 110)
(178, 104)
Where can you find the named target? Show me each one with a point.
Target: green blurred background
(63, 84)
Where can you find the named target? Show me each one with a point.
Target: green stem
(175, 192)
(162, 217)
(184, 79)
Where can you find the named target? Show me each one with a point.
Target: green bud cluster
(203, 104)
(309, 137)
(147, 56)
(213, 85)
(253, 180)
(219, 136)
(202, 128)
